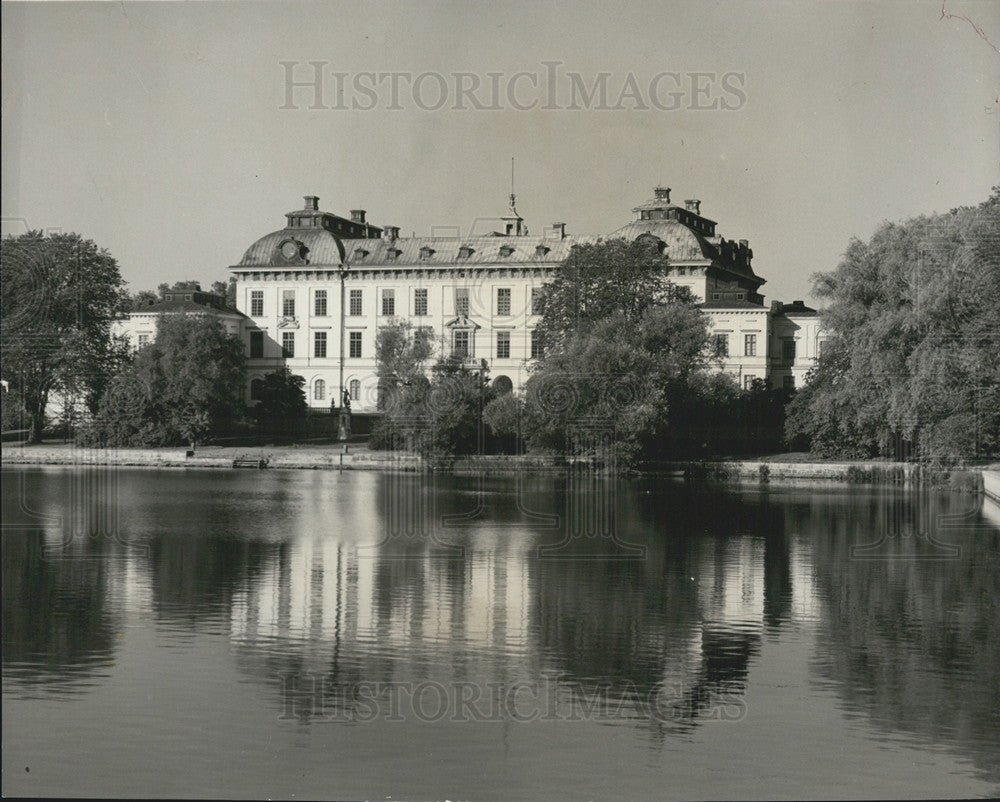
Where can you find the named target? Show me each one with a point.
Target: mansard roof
(457, 251)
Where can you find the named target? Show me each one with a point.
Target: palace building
(315, 292)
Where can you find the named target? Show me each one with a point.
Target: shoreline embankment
(777, 469)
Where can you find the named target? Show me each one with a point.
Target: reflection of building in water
(689, 617)
(731, 580)
(321, 592)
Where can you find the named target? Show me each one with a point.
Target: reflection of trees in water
(911, 637)
(659, 629)
(193, 579)
(58, 629)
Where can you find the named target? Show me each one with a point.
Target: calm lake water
(376, 636)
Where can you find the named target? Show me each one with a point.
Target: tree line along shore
(910, 371)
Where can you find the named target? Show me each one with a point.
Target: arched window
(503, 385)
(256, 387)
(354, 388)
(319, 390)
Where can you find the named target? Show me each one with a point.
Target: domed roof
(295, 247)
(682, 244)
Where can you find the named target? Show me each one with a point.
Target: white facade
(316, 292)
(140, 327)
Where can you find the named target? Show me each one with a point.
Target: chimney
(312, 203)
(392, 233)
(559, 229)
(358, 216)
(693, 206)
(662, 193)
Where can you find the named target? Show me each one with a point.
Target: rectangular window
(355, 345)
(288, 344)
(722, 344)
(748, 382)
(461, 343)
(319, 390)
(319, 345)
(503, 345)
(256, 303)
(461, 302)
(143, 340)
(288, 303)
(750, 345)
(503, 301)
(355, 309)
(256, 345)
(716, 296)
(320, 304)
(388, 303)
(537, 301)
(537, 346)
(788, 350)
(419, 303)
(354, 388)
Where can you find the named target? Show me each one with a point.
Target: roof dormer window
(541, 251)
(464, 252)
(392, 254)
(506, 250)
(360, 253)
(426, 252)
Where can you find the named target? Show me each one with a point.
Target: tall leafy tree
(438, 416)
(203, 371)
(401, 355)
(142, 299)
(186, 386)
(621, 344)
(598, 280)
(913, 363)
(60, 293)
(283, 404)
(227, 289)
(618, 378)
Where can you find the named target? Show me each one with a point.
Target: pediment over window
(462, 322)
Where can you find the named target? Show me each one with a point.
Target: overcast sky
(158, 129)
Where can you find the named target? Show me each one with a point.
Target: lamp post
(344, 424)
(480, 429)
